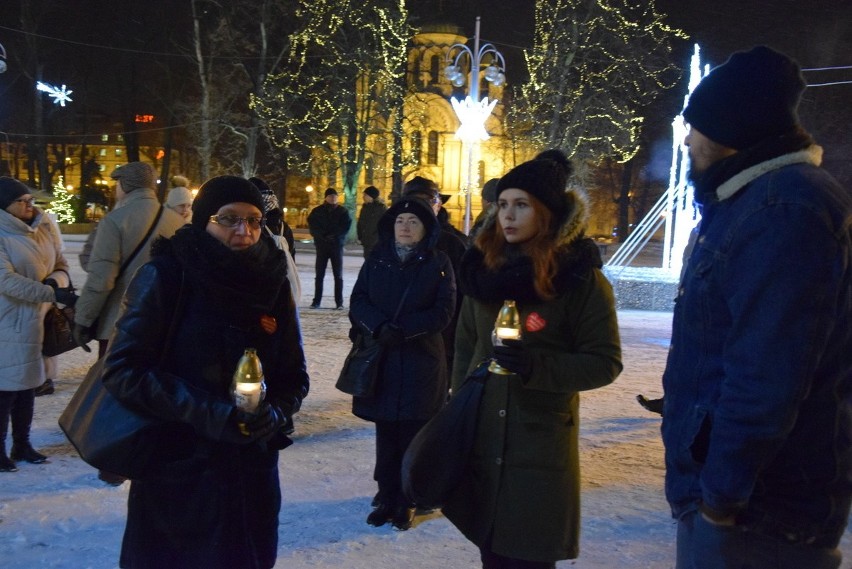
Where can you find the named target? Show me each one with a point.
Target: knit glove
(513, 357)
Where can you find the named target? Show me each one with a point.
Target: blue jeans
(702, 545)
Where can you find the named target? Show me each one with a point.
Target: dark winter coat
(329, 225)
(758, 382)
(413, 382)
(522, 489)
(368, 224)
(218, 508)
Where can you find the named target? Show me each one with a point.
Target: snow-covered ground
(58, 514)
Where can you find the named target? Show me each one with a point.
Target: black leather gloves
(64, 295)
(259, 426)
(82, 335)
(513, 357)
(389, 334)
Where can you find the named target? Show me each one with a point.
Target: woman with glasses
(224, 283)
(33, 274)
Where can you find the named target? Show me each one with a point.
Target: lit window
(104, 138)
(102, 152)
(432, 148)
(118, 151)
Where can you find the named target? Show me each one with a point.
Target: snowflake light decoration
(60, 94)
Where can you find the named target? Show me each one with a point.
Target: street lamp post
(472, 112)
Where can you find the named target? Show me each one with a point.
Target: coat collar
(12, 224)
(811, 155)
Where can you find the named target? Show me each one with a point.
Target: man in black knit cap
(757, 420)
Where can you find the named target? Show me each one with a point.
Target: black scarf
(720, 172)
(514, 279)
(252, 278)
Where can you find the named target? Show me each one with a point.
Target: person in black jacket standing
(329, 223)
(406, 274)
(368, 222)
(216, 503)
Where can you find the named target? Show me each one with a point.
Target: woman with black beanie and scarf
(215, 504)
(520, 499)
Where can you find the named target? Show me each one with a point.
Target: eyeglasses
(232, 221)
(28, 201)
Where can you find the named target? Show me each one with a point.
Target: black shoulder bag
(112, 437)
(361, 366)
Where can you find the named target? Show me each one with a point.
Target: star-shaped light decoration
(59, 94)
(473, 115)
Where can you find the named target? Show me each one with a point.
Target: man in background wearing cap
(368, 221)
(329, 223)
(757, 421)
(118, 235)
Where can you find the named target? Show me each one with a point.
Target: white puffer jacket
(28, 255)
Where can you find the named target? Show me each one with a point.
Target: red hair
(541, 249)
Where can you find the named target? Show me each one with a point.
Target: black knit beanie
(751, 97)
(134, 176)
(219, 191)
(546, 178)
(489, 190)
(372, 191)
(10, 190)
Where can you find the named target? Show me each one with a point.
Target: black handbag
(360, 370)
(115, 438)
(436, 459)
(361, 367)
(58, 323)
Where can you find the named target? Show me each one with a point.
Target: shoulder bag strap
(135, 252)
(404, 295)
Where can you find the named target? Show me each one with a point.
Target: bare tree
(595, 67)
(331, 106)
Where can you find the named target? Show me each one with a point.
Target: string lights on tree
(594, 68)
(62, 205)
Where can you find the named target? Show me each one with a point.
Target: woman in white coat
(33, 274)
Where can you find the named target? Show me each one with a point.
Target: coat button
(499, 461)
(501, 413)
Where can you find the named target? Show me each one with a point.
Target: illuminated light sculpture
(676, 207)
(472, 113)
(60, 94)
(2, 58)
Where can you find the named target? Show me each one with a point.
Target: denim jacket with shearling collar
(758, 383)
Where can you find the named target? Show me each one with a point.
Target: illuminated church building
(431, 124)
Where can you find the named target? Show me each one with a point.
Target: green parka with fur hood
(522, 488)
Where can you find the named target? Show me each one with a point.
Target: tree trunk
(624, 201)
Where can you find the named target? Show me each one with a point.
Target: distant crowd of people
(757, 405)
